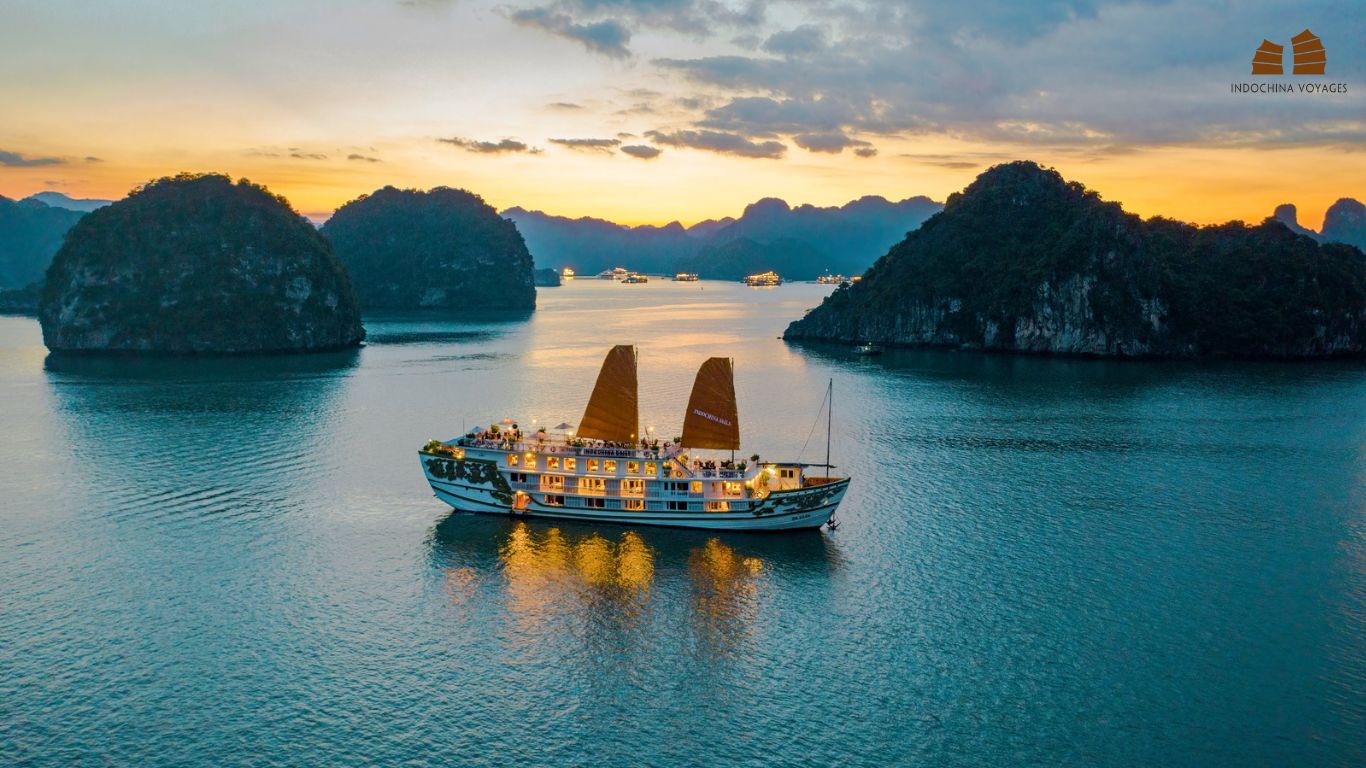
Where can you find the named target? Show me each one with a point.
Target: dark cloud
(490, 147)
(564, 105)
(1063, 74)
(93, 159)
(608, 37)
(719, 141)
(866, 151)
(833, 142)
(298, 155)
(17, 160)
(363, 158)
(805, 40)
(589, 145)
(697, 18)
(641, 151)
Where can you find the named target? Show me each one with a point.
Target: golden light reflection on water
(610, 591)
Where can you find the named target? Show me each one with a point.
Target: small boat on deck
(606, 473)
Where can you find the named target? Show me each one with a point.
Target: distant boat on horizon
(685, 277)
(567, 273)
(635, 277)
(608, 472)
(762, 279)
(616, 273)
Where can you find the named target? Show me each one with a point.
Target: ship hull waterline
(789, 510)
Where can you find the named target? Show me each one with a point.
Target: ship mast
(829, 418)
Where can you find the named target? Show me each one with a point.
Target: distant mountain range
(1345, 222)
(59, 200)
(30, 232)
(800, 243)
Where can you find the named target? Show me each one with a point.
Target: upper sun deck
(670, 459)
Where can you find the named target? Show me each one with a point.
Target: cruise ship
(616, 273)
(685, 277)
(606, 472)
(763, 279)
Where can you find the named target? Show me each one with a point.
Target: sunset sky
(646, 111)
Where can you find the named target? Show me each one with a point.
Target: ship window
(514, 459)
(787, 473)
(530, 461)
(552, 483)
(592, 485)
(552, 462)
(732, 488)
(609, 466)
(651, 468)
(676, 506)
(595, 503)
(633, 486)
(554, 501)
(571, 465)
(718, 506)
(632, 467)
(518, 477)
(635, 504)
(592, 465)
(696, 486)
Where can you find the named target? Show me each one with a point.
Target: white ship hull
(473, 485)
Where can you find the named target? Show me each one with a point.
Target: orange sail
(613, 411)
(712, 420)
(1310, 56)
(1267, 60)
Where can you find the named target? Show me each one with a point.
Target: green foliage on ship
(198, 263)
(444, 248)
(1023, 260)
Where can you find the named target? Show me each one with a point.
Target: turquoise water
(236, 562)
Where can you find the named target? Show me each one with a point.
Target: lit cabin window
(609, 466)
(530, 461)
(634, 504)
(514, 459)
(554, 501)
(718, 506)
(552, 483)
(631, 486)
(651, 468)
(696, 486)
(552, 462)
(787, 474)
(592, 465)
(632, 467)
(732, 488)
(592, 485)
(570, 465)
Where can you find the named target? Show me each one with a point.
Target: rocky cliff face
(1023, 261)
(197, 264)
(447, 248)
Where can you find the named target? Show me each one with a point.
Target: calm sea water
(237, 562)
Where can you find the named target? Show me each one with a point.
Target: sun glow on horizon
(487, 98)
